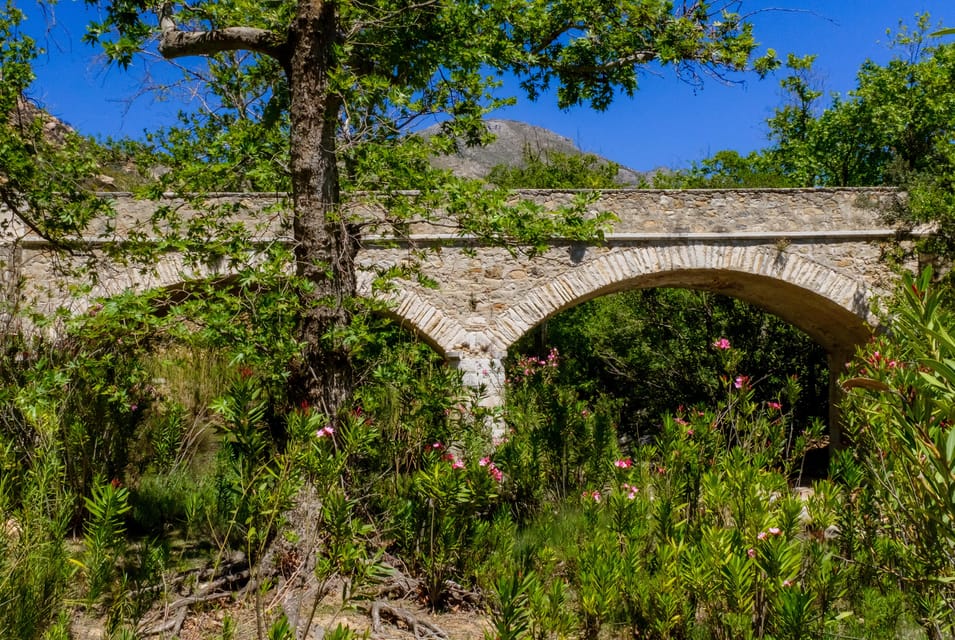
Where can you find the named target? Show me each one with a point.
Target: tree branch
(175, 43)
(580, 70)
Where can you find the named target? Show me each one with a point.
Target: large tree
(353, 70)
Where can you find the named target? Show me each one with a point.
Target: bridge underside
(837, 329)
(834, 327)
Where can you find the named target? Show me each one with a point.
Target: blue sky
(667, 123)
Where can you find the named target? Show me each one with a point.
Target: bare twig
(421, 628)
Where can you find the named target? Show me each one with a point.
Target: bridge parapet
(700, 211)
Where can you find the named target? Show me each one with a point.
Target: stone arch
(172, 272)
(831, 307)
(405, 306)
(431, 324)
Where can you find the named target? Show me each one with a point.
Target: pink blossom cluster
(530, 365)
(455, 463)
(492, 469)
(631, 490)
(774, 405)
(772, 531)
(878, 360)
(741, 382)
(722, 344)
(325, 431)
(594, 495)
(623, 463)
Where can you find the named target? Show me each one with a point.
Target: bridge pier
(837, 366)
(485, 374)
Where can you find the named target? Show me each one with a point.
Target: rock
(511, 139)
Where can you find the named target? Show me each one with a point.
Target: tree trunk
(325, 244)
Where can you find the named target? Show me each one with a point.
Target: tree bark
(325, 243)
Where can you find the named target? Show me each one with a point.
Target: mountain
(511, 139)
(36, 126)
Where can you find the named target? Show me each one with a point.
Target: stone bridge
(814, 257)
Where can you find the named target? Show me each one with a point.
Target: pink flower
(325, 431)
(761, 535)
(594, 495)
(457, 464)
(623, 464)
(774, 405)
(787, 583)
(742, 382)
(774, 531)
(722, 344)
(437, 446)
(496, 473)
(689, 432)
(484, 461)
(751, 553)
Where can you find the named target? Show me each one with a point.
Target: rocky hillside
(511, 138)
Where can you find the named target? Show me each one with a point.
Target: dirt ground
(208, 623)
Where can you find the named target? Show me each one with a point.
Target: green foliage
(694, 535)
(510, 617)
(901, 403)
(727, 170)
(35, 571)
(577, 531)
(556, 170)
(642, 348)
(541, 43)
(557, 442)
(44, 180)
(104, 536)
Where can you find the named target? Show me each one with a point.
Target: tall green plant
(35, 570)
(900, 409)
